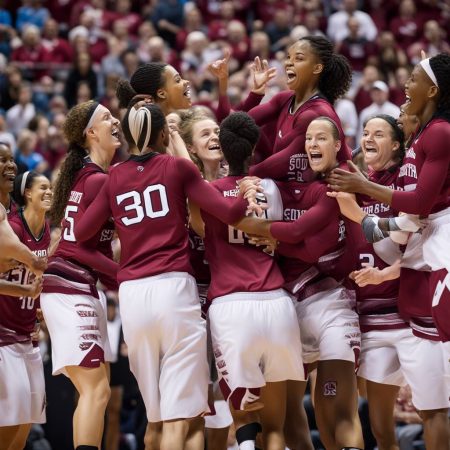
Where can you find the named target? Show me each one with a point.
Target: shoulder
(282, 97)
(439, 129)
(17, 225)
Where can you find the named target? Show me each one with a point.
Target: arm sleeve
(207, 197)
(224, 106)
(268, 112)
(95, 216)
(325, 211)
(431, 179)
(96, 260)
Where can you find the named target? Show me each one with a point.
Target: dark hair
(157, 124)
(146, 80)
(336, 76)
(238, 136)
(440, 64)
(334, 127)
(397, 134)
(76, 121)
(18, 192)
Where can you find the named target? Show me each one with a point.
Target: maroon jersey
(94, 255)
(311, 222)
(376, 304)
(198, 260)
(289, 160)
(236, 265)
(425, 174)
(146, 195)
(12, 209)
(18, 314)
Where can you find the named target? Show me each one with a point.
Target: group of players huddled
(303, 260)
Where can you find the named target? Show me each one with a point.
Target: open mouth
(369, 149)
(10, 176)
(115, 133)
(408, 99)
(291, 76)
(315, 156)
(214, 147)
(187, 92)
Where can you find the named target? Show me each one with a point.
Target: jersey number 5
(146, 210)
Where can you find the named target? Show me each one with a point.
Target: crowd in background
(57, 53)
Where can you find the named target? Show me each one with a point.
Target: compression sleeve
(270, 111)
(98, 212)
(207, 197)
(224, 106)
(94, 259)
(325, 211)
(433, 175)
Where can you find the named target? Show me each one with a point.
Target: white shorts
(329, 327)
(222, 418)
(22, 385)
(166, 339)
(436, 237)
(256, 339)
(397, 357)
(78, 330)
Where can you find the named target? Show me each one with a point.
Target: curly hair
(441, 68)
(146, 81)
(336, 76)
(73, 129)
(238, 137)
(188, 119)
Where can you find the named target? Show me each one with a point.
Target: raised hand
(261, 74)
(219, 68)
(343, 180)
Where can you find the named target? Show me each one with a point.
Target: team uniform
(255, 334)
(314, 270)
(22, 386)
(159, 303)
(73, 307)
(289, 160)
(425, 175)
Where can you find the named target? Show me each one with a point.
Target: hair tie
(138, 97)
(24, 182)
(137, 120)
(95, 108)
(425, 64)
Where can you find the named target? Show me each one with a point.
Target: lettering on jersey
(231, 193)
(280, 134)
(298, 163)
(376, 208)
(341, 230)
(330, 389)
(410, 153)
(87, 313)
(75, 197)
(106, 235)
(291, 214)
(408, 170)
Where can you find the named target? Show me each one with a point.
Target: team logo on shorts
(330, 389)
(140, 168)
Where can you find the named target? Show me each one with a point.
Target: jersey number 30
(147, 209)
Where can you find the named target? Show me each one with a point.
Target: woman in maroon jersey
(74, 310)
(21, 372)
(159, 303)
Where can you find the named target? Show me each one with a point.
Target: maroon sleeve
(224, 107)
(431, 178)
(93, 185)
(268, 112)
(95, 216)
(95, 259)
(324, 211)
(207, 197)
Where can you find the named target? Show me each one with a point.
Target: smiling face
(105, 130)
(321, 146)
(40, 194)
(419, 90)
(176, 91)
(377, 144)
(301, 65)
(8, 169)
(205, 141)
(408, 124)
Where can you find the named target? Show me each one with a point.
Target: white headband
(24, 182)
(91, 120)
(136, 121)
(425, 63)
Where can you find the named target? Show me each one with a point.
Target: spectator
(59, 49)
(312, 24)
(9, 92)
(6, 136)
(361, 96)
(167, 17)
(397, 87)
(239, 42)
(379, 94)
(346, 111)
(81, 71)
(193, 21)
(390, 55)
(146, 31)
(131, 19)
(31, 13)
(260, 45)
(158, 51)
(32, 55)
(337, 23)
(279, 29)
(26, 154)
(406, 27)
(217, 29)
(20, 114)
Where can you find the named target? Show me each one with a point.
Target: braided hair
(73, 129)
(238, 136)
(336, 76)
(145, 81)
(441, 68)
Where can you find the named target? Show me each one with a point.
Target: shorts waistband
(441, 217)
(243, 296)
(160, 276)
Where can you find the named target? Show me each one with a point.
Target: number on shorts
(68, 234)
(148, 208)
(367, 258)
